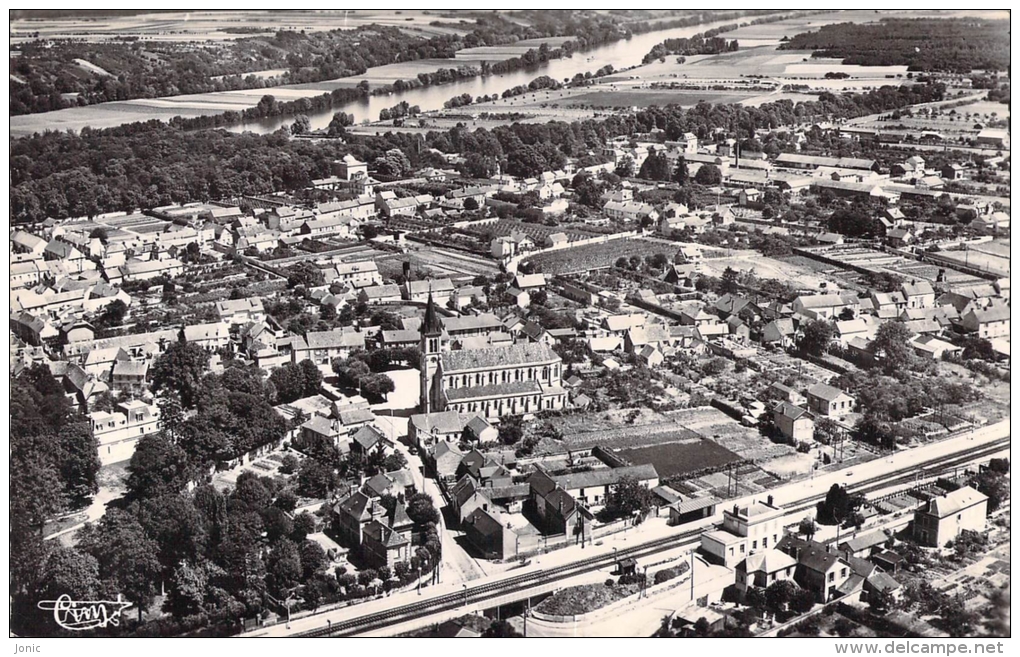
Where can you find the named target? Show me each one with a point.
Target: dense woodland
(149, 164)
(957, 46)
(220, 556)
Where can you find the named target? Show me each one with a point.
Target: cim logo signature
(82, 615)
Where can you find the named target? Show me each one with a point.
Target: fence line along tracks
(483, 592)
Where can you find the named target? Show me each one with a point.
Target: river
(620, 54)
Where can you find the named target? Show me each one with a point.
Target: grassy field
(673, 459)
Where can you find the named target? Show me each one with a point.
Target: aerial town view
(510, 324)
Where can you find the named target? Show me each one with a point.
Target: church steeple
(430, 325)
(431, 337)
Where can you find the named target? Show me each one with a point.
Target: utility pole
(692, 575)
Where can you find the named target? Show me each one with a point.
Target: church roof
(501, 357)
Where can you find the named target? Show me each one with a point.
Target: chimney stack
(770, 501)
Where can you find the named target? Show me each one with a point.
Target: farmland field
(595, 256)
(671, 459)
(661, 97)
(537, 232)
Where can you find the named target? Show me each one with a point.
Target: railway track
(489, 591)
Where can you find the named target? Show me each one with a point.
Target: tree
(778, 595)
(755, 599)
(338, 125)
(377, 385)
(655, 167)
(802, 601)
(296, 381)
(856, 221)
(625, 167)
(838, 506)
(511, 430)
(728, 282)
(157, 468)
(313, 559)
(892, 347)
(807, 528)
(171, 414)
(286, 500)
(470, 204)
(305, 274)
(315, 479)
(708, 174)
(874, 429)
(680, 173)
(301, 125)
(393, 163)
(67, 571)
(289, 382)
(283, 567)
(113, 314)
(277, 524)
(994, 484)
(421, 509)
(180, 368)
(304, 524)
(177, 527)
(827, 431)
(187, 591)
(816, 336)
(126, 556)
(626, 499)
(289, 464)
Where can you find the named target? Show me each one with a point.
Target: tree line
(145, 165)
(926, 44)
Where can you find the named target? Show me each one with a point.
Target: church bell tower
(431, 334)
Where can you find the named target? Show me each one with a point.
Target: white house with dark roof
(991, 322)
(919, 294)
(826, 400)
(321, 347)
(241, 311)
(356, 274)
(943, 518)
(375, 294)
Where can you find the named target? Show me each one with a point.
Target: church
(493, 382)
